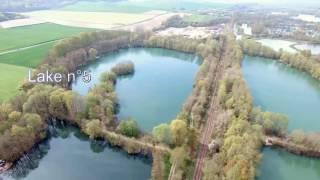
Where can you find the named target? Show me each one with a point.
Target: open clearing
(19, 37)
(30, 57)
(99, 20)
(11, 78)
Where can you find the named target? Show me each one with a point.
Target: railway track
(211, 117)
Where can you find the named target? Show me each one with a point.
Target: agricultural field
(19, 37)
(11, 77)
(142, 6)
(28, 57)
(198, 18)
(99, 20)
(23, 48)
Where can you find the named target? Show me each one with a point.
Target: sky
(283, 2)
(264, 1)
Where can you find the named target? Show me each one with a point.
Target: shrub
(129, 128)
(123, 68)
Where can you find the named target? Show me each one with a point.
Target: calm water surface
(154, 94)
(70, 155)
(162, 81)
(278, 88)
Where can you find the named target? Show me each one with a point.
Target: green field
(10, 78)
(28, 57)
(14, 65)
(143, 6)
(198, 18)
(19, 37)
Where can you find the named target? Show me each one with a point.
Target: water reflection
(70, 152)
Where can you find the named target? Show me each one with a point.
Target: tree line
(301, 60)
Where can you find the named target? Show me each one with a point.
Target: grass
(10, 78)
(19, 37)
(28, 57)
(198, 18)
(143, 6)
(14, 66)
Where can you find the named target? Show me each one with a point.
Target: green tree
(92, 54)
(129, 128)
(162, 133)
(94, 128)
(179, 131)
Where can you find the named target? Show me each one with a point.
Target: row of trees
(201, 21)
(310, 140)
(23, 120)
(240, 151)
(301, 60)
(181, 133)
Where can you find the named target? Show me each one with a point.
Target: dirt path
(291, 147)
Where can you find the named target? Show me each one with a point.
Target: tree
(94, 128)
(162, 133)
(123, 68)
(179, 131)
(33, 121)
(19, 131)
(129, 128)
(15, 116)
(92, 54)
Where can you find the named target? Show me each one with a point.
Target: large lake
(162, 81)
(279, 88)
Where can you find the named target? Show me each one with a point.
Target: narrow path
(291, 147)
(138, 142)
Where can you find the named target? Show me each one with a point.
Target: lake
(277, 44)
(162, 81)
(69, 154)
(278, 88)
(154, 94)
(315, 49)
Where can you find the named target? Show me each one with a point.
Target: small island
(123, 68)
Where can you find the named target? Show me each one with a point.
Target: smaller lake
(277, 44)
(315, 49)
(279, 88)
(278, 164)
(155, 93)
(69, 154)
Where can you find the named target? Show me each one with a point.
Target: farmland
(20, 37)
(198, 18)
(28, 57)
(25, 47)
(142, 6)
(99, 20)
(10, 78)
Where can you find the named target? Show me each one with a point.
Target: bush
(123, 68)
(129, 128)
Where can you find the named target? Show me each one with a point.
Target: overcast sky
(267, 1)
